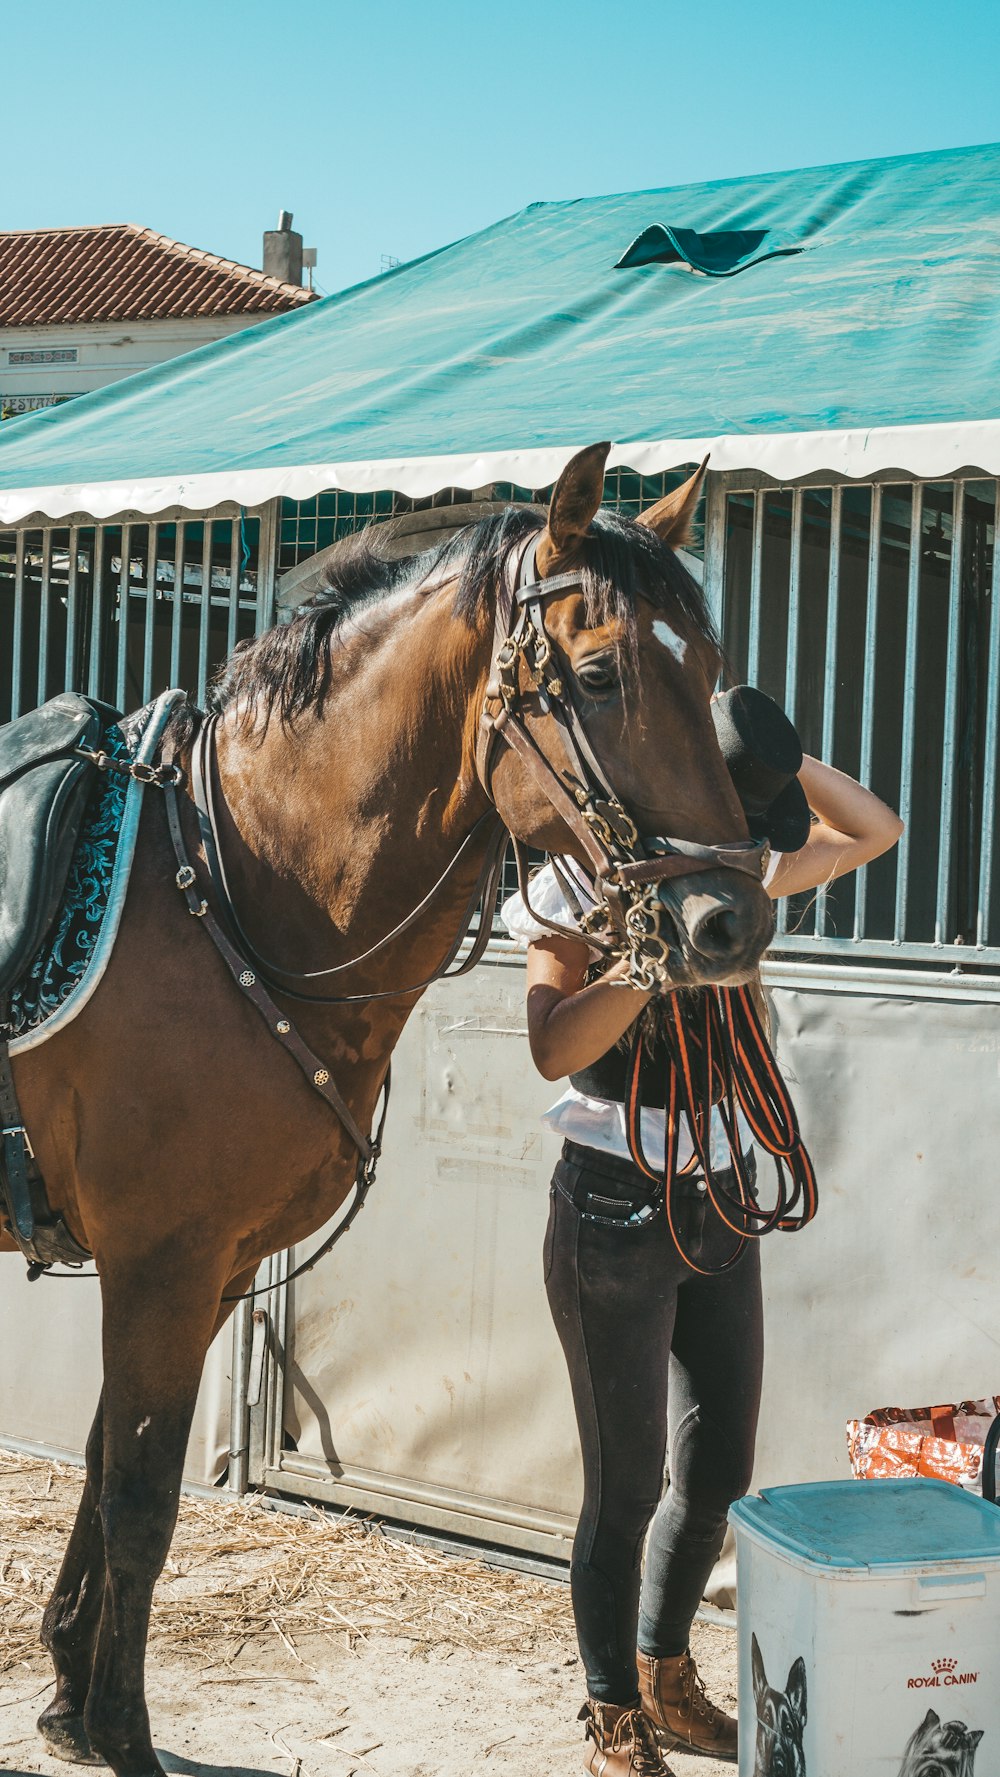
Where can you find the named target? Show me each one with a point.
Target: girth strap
(17, 1157)
(43, 1238)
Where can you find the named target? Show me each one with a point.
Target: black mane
(289, 668)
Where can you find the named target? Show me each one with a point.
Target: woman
(638, 1326)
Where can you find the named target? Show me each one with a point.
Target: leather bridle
(627, 867)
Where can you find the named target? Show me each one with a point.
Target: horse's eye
(598, 674)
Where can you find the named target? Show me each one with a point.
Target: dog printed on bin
(941, 1749)
(781, 1720)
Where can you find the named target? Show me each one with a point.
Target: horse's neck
(341, 825)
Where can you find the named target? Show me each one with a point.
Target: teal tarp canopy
(838, 318)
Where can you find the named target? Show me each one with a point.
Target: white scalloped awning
(921, 452)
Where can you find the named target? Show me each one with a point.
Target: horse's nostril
(723, 926)
(718, 933)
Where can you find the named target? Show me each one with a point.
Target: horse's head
(610, 676)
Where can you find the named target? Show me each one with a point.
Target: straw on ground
(238, 1572)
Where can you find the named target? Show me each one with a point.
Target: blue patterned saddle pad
(62, 959)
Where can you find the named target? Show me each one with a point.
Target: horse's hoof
(66, 1738)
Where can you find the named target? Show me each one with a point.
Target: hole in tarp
(716, 255)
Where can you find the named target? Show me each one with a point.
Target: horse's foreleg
(158, 1323)
(73, 1614)
(72, 1618)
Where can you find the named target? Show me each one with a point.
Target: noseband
(628, 868)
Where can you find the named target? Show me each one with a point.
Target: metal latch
(258, 1351)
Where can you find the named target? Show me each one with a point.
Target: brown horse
(178, 1141)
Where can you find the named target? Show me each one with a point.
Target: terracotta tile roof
(122, 272)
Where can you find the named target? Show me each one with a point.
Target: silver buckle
(18, 1129)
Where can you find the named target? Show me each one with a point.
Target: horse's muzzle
(722, 922)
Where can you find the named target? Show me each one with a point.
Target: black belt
(635, 1201)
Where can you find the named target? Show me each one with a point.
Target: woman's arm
(570, 1025)
(853, 828)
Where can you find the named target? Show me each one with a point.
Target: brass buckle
(609, 820)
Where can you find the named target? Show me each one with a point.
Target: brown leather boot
(624, 1742)
(674, 1700)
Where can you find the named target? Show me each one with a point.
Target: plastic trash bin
(869, 1631)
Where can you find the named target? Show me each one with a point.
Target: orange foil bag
(944, 1442)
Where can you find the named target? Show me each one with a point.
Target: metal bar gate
(122, 609)
(872, 613)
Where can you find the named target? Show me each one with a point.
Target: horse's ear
(671, 517)
(796, 1688)
(575, 499)
(757, 1667)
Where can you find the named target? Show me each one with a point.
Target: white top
(600, 1122)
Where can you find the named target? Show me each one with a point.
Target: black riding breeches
(641, 1330)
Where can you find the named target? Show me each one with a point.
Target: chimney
(283, 251)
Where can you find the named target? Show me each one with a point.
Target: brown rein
(718, 1050)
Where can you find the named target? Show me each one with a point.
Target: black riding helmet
(764, 756)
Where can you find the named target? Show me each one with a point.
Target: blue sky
(390, 127)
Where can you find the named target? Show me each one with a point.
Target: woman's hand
(853, 828)
(571, 1025)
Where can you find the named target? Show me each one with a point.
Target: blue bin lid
(870, 1524)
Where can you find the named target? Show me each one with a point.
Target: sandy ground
(325, 1705)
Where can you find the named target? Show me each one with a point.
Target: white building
(84, 307)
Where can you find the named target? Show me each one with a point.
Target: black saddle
(45, 780)
(44, 785)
